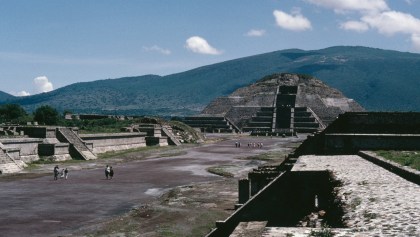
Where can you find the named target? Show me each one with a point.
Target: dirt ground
(155, 191)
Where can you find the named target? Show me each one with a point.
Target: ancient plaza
(333, 183)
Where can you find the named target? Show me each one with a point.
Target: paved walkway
(378, 202)
(44, 207)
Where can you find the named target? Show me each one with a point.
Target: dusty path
(44, 207)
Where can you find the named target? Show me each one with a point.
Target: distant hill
(4, 96)
(377, 79)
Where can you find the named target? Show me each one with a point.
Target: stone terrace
(377, 202)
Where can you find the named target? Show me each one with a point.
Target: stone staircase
(8, 164)
(209, 123)
(304, 120)
(78, 147)
(172, 140)
(261, 122)
(233, 125)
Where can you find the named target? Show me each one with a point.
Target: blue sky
(48, 44)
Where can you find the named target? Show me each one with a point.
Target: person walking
(111, 172)
(62, 174)
(107, 170)
(66, 173)
(56, 172)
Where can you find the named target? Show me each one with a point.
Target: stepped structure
(279, 104)
(78, 147)
(306, 121)
(211, 123)
(9, 164)
(172, 139)
(28, 143)
(262, 121)
(333, 184)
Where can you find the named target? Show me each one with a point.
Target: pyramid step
(306, 125)
(259, 124)
(222, 126)
(267, 109)
(265, 113)
(300, 109)
(302, 114)
(304, 119)
(262, 119)
(306, 130)
(250, 129)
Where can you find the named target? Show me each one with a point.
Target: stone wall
(157, 141)
(354, 131)
(152, 130)
(352, 143)
(56, 152)
(28, 147)
(377, 122)
(284, 202)
(114, 141)
(38, 132)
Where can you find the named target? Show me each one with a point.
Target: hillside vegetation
(4, 96)
(377, 79)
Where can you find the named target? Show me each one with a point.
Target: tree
(11, 112)
(46, 115)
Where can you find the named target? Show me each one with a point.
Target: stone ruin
(280, 104)
(24, 144)
(331, 180)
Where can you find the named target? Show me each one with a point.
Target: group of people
(255, 145)
(64, 173)
(109, 172)
(250, 144)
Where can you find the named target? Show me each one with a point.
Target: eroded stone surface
(377, 202)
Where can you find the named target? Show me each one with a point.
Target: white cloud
(357, 26)
(293, 22)
(392, 22)
(342, 6)
(255, 33)
(42, 84)
(22, 93)
(376, 14)
(158, 49)
(199, 45)
(415, 39)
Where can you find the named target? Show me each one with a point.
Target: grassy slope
(405, 158)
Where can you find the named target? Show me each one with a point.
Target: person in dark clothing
(111, 173)
(56, 172)
(107, 170)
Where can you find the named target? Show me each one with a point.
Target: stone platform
(377, 202)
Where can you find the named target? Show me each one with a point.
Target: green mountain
(4, 96)
(377, 79)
